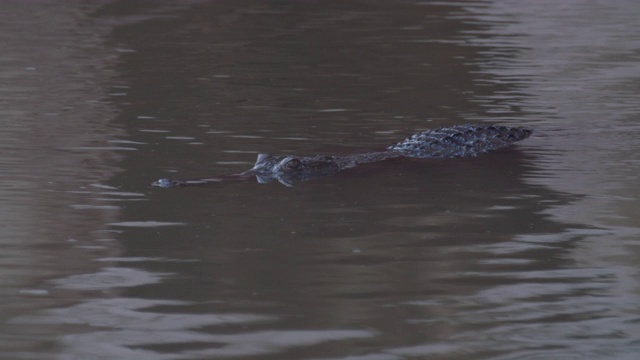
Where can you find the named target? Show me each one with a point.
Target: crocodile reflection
(447, 142)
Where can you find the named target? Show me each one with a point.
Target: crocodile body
(447, 142)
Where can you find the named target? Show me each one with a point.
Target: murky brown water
(527, 253)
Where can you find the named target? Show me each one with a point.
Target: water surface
(526, 253)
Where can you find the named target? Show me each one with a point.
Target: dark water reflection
(525, 253)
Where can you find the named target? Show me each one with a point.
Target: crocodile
(447, 142)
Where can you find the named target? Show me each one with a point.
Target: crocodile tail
(459, 141)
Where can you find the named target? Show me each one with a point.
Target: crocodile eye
(293, 164)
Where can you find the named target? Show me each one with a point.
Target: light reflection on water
(527, 253)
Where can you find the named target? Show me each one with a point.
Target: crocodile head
(290, 170)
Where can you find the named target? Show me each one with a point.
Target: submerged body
(448, 142)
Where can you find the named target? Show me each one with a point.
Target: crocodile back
(459, 141)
